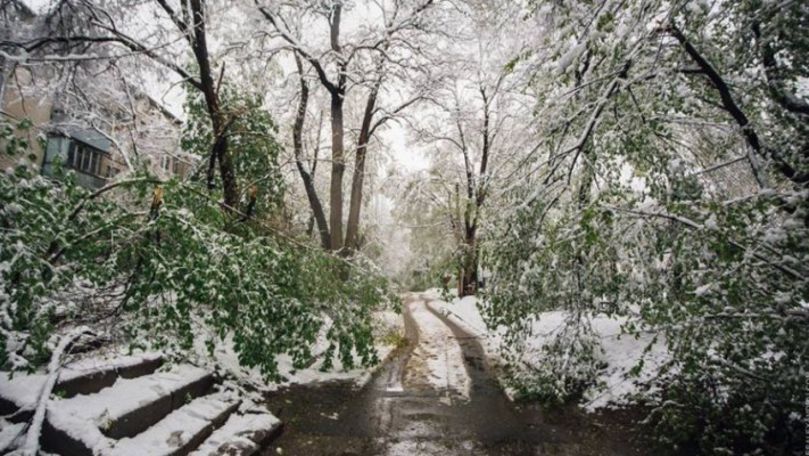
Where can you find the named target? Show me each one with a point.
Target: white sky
(411, 157)
(163, 86)
(36, 6)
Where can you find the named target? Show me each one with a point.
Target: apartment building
(94, 122)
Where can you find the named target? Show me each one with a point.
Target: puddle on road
(390, 416)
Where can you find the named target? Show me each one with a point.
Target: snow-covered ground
(389, 326)
(619, 352)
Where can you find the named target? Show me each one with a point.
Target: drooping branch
(694, 225)
(730, 105)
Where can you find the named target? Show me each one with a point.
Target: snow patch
(237, 432)
(9, 433)
(226, 358)
(620, 352)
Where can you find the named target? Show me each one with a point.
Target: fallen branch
(31, 445)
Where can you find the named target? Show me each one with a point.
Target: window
(176, 168)
(165, 163)
(111, 171)
(84, 158)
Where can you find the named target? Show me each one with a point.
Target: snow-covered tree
(163, 257)
(372, 59)
(670, 189)
(477, 128)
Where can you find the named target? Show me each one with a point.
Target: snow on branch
(31, 445)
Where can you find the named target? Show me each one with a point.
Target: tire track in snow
(437, 360)
(406, 409)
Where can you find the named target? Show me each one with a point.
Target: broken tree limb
(31, 445)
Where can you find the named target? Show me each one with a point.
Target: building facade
(87, 117)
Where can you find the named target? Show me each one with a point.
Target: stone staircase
(138, 406)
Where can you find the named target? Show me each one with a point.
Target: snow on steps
(125, 409)
(93, 375)
(21, 392)
(242, 435)
(183, 429)
(139, 412)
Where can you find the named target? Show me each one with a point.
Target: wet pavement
(439, 396)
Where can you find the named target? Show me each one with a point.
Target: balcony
(86, 160)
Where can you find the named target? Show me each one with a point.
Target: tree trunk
(355, 205)
(469, 281)
(337, 92)
(318, 216)
(337, 171)
(219, 150)
(313, 173)
(469, 272)
(476, 197)
(3, 64)
(229, 188)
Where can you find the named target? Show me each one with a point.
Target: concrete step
(182, 430)
(124, 407)
(88, 423)
(174, 389)
(94, 374)
(243, 434)
(19, 393)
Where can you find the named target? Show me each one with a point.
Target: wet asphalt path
(437, 396)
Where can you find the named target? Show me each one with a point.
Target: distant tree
(478, 127)
(394, 51)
